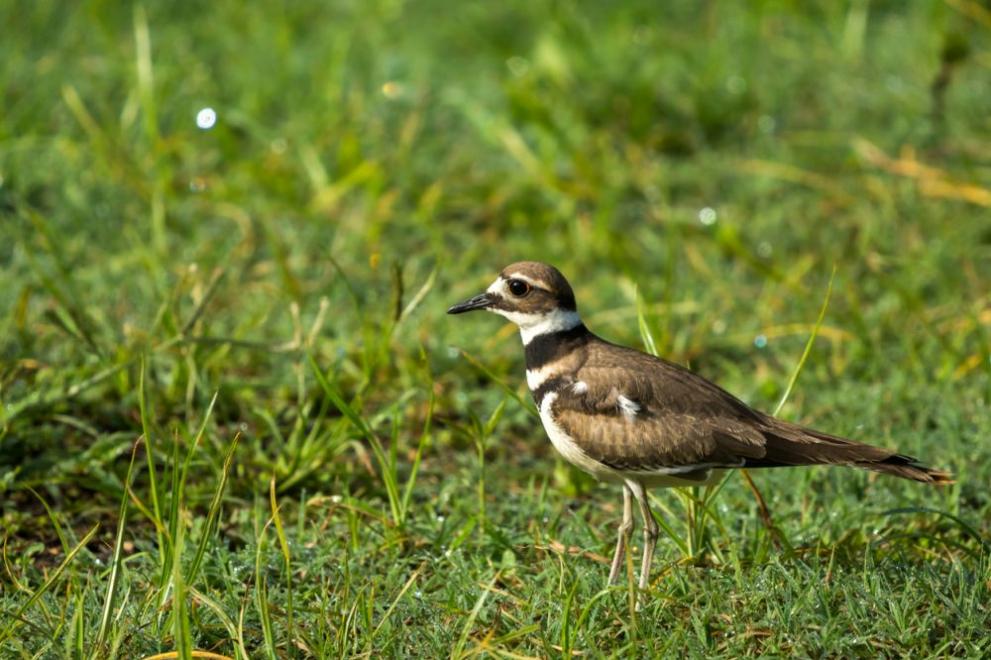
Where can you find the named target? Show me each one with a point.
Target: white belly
(568, 448)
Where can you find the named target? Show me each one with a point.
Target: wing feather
(680, 419)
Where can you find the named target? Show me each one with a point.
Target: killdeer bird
(633, 419)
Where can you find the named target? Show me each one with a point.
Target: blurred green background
(274, 204)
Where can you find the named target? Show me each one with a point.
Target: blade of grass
(147, 433)
(54, 519)
(458, 651)
(966, 527)
(225, 620)
(418, 297)
(387, 471)
(182, 630)
(179, 477)
(75, 643)
(286, 557)
(765, 512)
(172, 529)
(213, 513)
(395, 601)
(149, 108)
(527, 405)
(116, 562)
(645, 334)
(261, 597)
(808, 345)
(424, 439)
(49, 583)
(211, 288)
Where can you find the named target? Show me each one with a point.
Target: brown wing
(680, 420)
(683, 420)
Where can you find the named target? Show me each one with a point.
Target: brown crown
(551, 288)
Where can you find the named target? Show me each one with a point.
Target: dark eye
(519, 288)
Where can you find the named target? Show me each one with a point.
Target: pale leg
(649, 531)
(625, 528)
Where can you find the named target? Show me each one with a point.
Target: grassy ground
(246, 322)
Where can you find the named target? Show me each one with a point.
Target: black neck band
(546, 348)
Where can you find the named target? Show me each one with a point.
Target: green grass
(235, 418)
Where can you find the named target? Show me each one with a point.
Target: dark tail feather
(907, 467)
(790, 444)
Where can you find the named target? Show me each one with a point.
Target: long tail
(907, 467)
(790, 444)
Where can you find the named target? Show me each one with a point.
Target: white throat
(534, 325)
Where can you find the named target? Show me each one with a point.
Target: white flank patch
(537, 377)
(629, 408)
(579, 387)
(566, 445)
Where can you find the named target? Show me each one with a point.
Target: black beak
(481, 301)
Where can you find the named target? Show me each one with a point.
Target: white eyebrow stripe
(540, 284)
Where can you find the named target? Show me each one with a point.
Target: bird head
(533, 295)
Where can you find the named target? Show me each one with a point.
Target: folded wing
(662, 418)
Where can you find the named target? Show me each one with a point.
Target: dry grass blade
(458, 651)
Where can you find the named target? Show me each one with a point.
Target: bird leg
(625, 528)
(649, 531)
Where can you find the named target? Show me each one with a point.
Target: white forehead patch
(499, 287)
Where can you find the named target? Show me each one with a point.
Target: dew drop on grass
(391, 90)
(707, 216)
(518, 66)
(736, 84)
(206, 118)
(760, 341)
